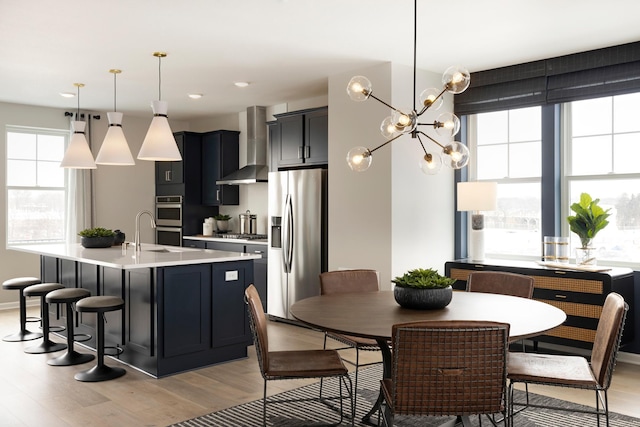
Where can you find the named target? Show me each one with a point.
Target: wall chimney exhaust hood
(256, 169)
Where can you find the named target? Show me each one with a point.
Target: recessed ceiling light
(195, 95)
(67, 94)
(241, 84)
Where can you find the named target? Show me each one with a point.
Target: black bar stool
(20, 283)
(41, 290)
(69, 296)
(99, 305)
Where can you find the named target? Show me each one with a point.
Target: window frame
(65, 187)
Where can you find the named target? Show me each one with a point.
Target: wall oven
(169, 220)
(169, 211)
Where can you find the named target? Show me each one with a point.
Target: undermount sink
(164, 249)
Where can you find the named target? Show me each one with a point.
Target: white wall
(360, 214)
(423, 205)
(391, 217)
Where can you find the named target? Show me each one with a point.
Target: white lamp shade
(78, 154)
(114, 149)
(477, 196)
(159, 143)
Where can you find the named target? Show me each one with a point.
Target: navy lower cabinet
(230, 324)
(185, 295)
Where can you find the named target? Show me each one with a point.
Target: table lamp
(476, 197)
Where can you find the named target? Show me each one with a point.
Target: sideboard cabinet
(580, 294)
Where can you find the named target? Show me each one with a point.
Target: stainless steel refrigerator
(297, 237)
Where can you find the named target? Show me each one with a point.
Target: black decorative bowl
(97, 242)
(423, 299)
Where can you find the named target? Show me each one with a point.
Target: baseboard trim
(15, 304)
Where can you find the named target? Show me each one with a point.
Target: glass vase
(586, 256)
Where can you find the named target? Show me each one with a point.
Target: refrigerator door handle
(287, 231)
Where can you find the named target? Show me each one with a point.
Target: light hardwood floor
(33, 393)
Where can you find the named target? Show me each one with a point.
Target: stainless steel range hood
(256, 169)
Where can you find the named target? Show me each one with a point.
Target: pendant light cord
(78, 111)
(415, 44)
(159, 78)
(114, 92)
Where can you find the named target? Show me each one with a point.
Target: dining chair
(575, 371)
(503, 283)
(499, 282)
(343, 281)
(293, 364)
(447, 368)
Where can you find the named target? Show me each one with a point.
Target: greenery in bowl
(222, 217)
(588, 220)
(423, 279)
(96, 232)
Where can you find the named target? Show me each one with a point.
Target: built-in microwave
(169, 211)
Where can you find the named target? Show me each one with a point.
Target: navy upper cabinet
(182, 178)
(220, 152)
(299, 138)
(172, 172)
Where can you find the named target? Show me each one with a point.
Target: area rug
(315, 414)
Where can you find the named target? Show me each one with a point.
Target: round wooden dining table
(372, 315)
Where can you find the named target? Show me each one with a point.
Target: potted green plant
(222, 222)
(588, 220)
(97, 237)
(423, 289)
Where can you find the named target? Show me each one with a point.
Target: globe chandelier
(404, 121)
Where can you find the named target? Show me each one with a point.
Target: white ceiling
(285, 48)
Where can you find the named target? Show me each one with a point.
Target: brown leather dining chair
(447, 368)
(293, 364)
(499, 282)
(576, 371)
(353, 281)
(503, 283)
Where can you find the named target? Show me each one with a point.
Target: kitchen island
(184, 307)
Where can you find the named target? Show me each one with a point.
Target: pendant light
(114, 149)
(78, 154)
(404, 121)
(159, 143)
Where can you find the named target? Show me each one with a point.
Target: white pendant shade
(159, 143)
(114, 149)
(78, 154)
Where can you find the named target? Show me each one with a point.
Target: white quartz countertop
(226, 239)
(150, 256)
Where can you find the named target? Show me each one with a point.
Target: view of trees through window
(601, 145)
(35, 186)
(602, 149)
(507, 150)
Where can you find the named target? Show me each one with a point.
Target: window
(602, 145)
(507, 149)
(35, 185)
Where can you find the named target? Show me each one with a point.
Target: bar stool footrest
(81, 337)
(114, 351)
